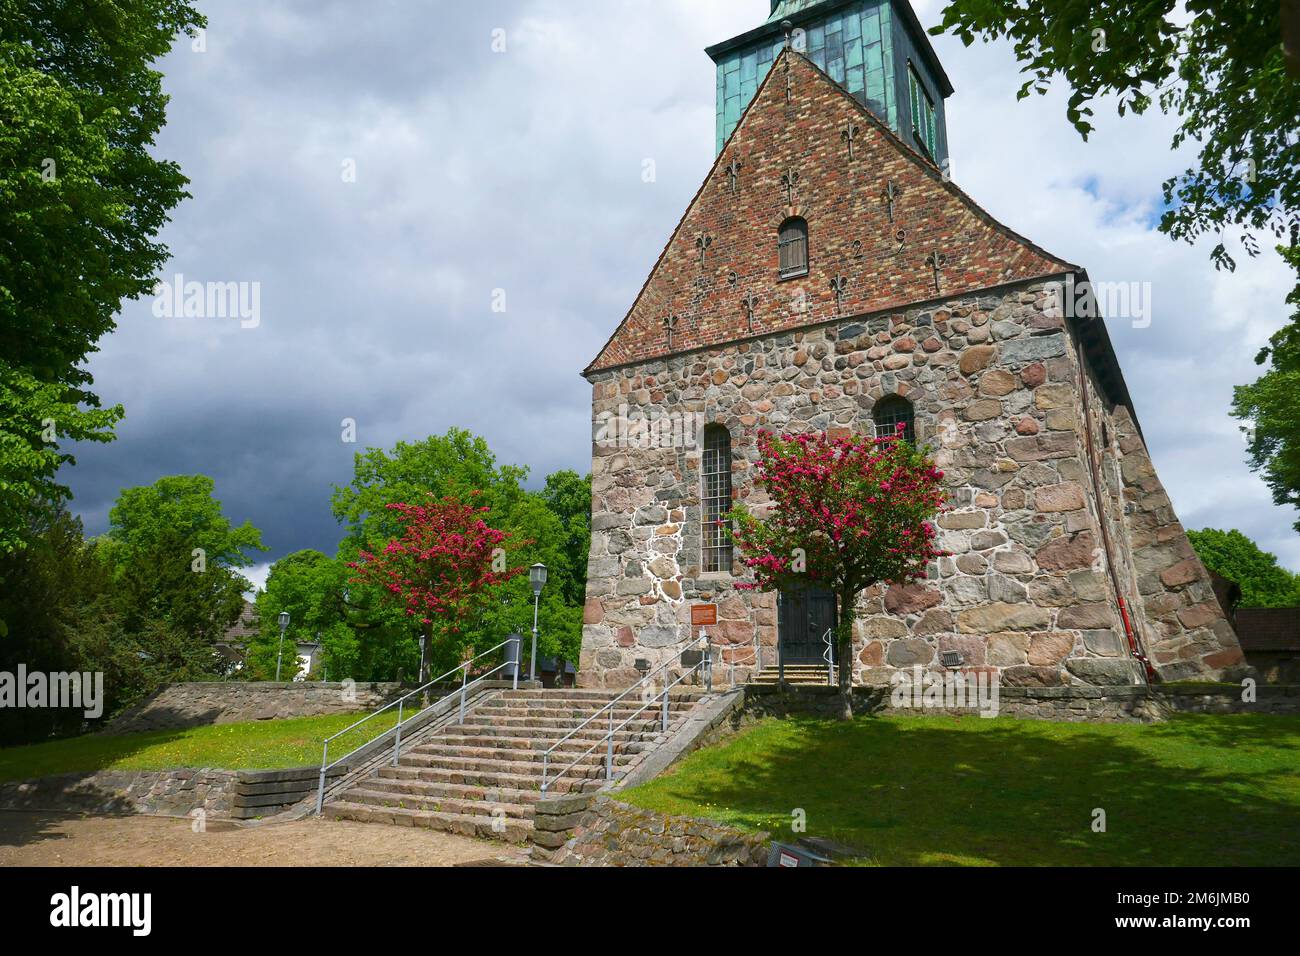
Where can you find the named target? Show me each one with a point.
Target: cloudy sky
(381, 172)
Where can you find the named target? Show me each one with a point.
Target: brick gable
(851, 234)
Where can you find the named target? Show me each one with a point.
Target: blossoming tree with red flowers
(442, 568)
(845, 514)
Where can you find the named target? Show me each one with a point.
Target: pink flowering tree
(845, 514)
(442, 568)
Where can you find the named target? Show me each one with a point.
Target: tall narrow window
(889, 413)
(793, 243)
(716, 498)
(923, 122)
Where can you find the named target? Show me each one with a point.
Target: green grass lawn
(1196, 791)
(259, 745)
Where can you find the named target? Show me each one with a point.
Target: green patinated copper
(853, 44)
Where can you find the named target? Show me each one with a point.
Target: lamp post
(284, 626)
(536, 577)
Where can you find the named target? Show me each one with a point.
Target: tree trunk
(424, 662)
(844, 640)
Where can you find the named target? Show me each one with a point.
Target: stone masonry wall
(178, 706)
(995, 380)
(600, 831)
(157, 792)
(1075, 703)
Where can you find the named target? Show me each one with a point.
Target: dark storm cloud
(522, 171)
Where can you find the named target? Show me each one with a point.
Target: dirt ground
(55, 839)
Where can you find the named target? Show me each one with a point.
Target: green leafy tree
(454, 465)
(457, 464)
(537, 535)
(1263, 582)
(312, 588)
(1220, 69)
(174, 557)
(53, 587)
(34, 415)
(60, 602)
(1270, 407)
(82, 199)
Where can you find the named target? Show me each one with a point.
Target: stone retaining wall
(264, 793)
(1097, 704)
(178, 706)
(596, 830)
(155, 792)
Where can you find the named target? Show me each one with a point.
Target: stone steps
(376, 796)
(576, 780)
(512, 726)
(484, 776)
(509, 762)
(637, 730)
(794, 674)
(404, 780)
(474, 825)
(573, 715)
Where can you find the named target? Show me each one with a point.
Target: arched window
(793, 246)
(715, 498)
(887, 414)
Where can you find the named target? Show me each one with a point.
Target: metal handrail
(706, 662)
(755, 657)
(400, 703)
(829, 656)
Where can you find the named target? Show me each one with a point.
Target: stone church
(830, 277)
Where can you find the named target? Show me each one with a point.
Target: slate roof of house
(887, 277)
(245, 627)
(1268, 628)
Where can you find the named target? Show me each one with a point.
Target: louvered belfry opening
(716, 498)
(793, 245)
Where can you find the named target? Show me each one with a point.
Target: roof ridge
(708, 177)
(926, 163)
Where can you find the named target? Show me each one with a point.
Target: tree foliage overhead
(1270, 407)
(81, 203)
(1263, 582)
(81, 198)
(34, 415)
(1220, 68)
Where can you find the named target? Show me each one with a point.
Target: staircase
(795, 674)
(483, 777)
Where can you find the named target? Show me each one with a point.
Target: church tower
(875, 49)
(830, 277)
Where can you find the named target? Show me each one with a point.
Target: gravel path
(52, 839)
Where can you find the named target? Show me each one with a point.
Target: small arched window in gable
(715, 499)
(793, 246)
(889, 413)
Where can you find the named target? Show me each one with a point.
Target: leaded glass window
(716, 498)
(889, 412)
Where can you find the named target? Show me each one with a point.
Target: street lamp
(536, 577)
(284, 626)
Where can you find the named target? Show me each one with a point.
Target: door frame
(814, 649)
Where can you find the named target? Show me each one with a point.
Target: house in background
(233, 645)
(1270, 638)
